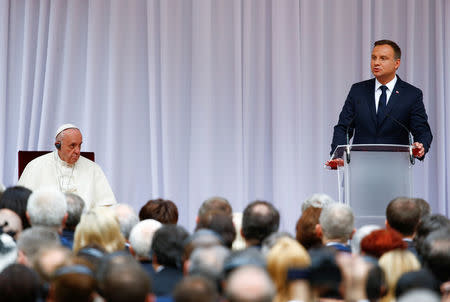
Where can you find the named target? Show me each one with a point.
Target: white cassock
(85, 178)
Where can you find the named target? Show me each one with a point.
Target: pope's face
(383, 63)
(70, 146)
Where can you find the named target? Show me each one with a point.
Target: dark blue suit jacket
(359, 113)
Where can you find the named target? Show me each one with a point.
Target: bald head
(249, 284)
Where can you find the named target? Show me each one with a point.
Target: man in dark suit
(377, 108)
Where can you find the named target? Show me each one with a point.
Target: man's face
(70, 146)
(383, 64)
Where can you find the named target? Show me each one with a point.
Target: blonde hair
(286, 253)
(99, 226)
(394, 264)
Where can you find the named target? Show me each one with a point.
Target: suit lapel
(370, 97)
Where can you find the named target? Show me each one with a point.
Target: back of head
(99, 226)
(19, 283)
(403, 215)
(359, 236)
(122, 279)
(35, 238)
(164, 211)
(10, 223)
(270, 241)
(221, 223)
(249, 284)
(195, 289)
(317, 200)
(208, 262)
(337, 221)
(8, 251)
(306, 228)
(286, 253)
(73, 283)
(424, 206)
(248, 257)
(422, 279)
(215, 203)
(141, 236)
(436, 253)
(49, 259)
(127, 218)
(16, 199)
(379, 242)
(75, 207)
(427, 225)
(259, 220)
(167, 245)
(47, 207)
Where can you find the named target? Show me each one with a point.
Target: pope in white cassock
(65, 170)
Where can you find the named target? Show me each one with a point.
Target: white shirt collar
(390, 85)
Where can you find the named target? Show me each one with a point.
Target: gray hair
(75, 207)
(337, 221)
(317, 200)
(8, 251)
(46, 207)
(32, 240)
(127, 218)
(141, 236)
(359, 236)
(208, 261)
(422, 295)
(250, 284)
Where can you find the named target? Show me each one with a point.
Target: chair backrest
(26, 156)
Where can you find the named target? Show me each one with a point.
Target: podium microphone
(411, 141)
(347, 148)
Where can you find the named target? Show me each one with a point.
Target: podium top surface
(340, 150)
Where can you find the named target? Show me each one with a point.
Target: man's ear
(386, 224)
(319, 231)
(63, 222)
(28, 217)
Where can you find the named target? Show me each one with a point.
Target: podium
(373, 175)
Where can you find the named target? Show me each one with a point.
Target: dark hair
(19, 283)
(306, 228)
(395, 47)
(195, 289)
(403, 215)
(436, 253)
(73, 283)
(221, 223)
(164, 211)
(167, 245)
(215, 203)
(260, 219)
(422, 279)
(427, 225)
(16, 199)
(424, 206)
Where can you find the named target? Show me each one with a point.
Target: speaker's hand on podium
(335, 163)
(418, 150)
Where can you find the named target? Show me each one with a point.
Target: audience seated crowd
(54, 249)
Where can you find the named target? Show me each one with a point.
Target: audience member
(10, 223)
(19, 283)
(92, 255)
(16, 199)
(127, 218)
(381, 241)
(421, 279)
(394, 264)
(422, 295)
(200, 238)
(260, 219)
(250, 256)
(249, 284)
(317, 200)
(99, 226)
(436, 253)
(122, 279)
(48, 259)
(306, 228)
(75, 207)
(8, 251)
(195, 289)
(47, 208)
(219, 222)
(270, 241)
(360, 234)
(167, 248)
(336, 226)
(141, 237)
(32, 240)
(403, 215)
(287, 253)
(164, 211)
(424, 206)
(215, 203)
(427, 225)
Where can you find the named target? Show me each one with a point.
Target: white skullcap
(65, 127)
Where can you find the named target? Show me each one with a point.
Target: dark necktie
(381, 104)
